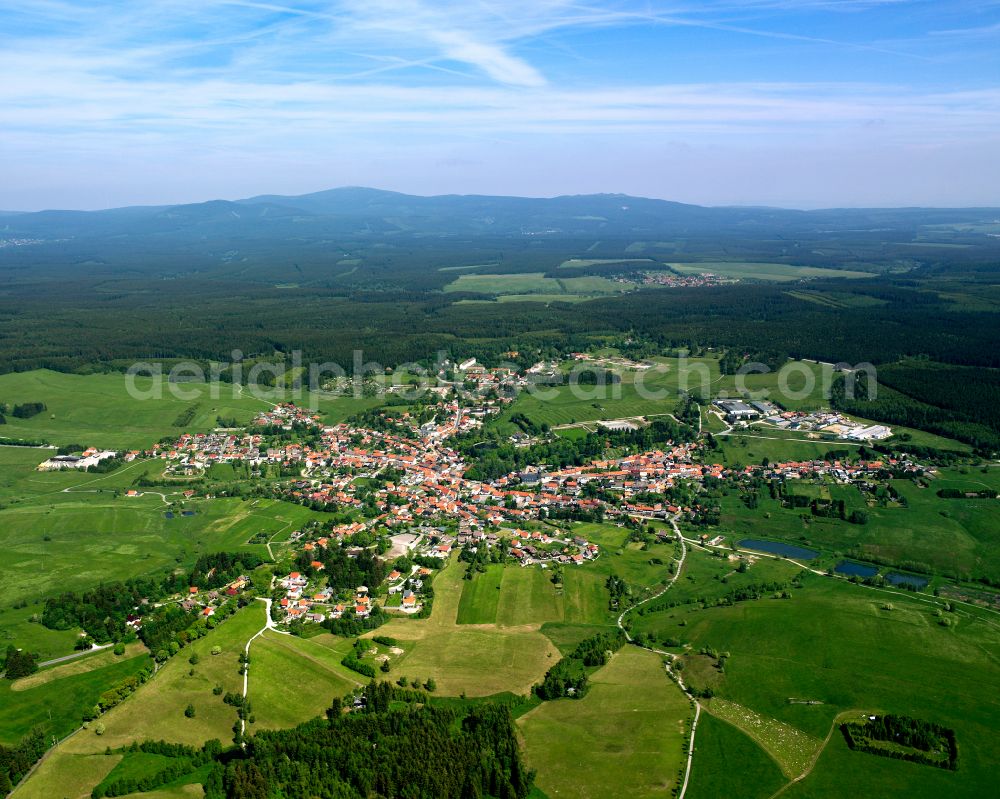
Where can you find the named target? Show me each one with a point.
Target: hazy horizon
(785, 103)
(203, 200)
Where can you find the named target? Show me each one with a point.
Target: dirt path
(268, 624)
(815, 757)
(677, 677)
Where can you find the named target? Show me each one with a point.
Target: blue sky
(802, 103)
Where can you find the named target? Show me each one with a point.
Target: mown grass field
(17, 628)
(748, 270)
(836, 299)
(526, 285)
(729, 763)
(648, 392)
(97, 410)
(624, 738)
(577, 263)
(524, 596)
(477, 660)
(295, 679)
(792, 749)
(833, 643)
(71, 541)
(78, 665)
(481, 596)
(57, 705)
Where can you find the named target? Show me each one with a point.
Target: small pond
(852, 569)
(778, 548)
(906, 579)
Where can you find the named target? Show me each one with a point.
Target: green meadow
(624, 738)
(56, 705)
(729, 763)
(294, 679)
(473, 659)
(56, 540)
(749, 270)
(647, 392)
(958, 538)
(76, 540)
(156, 711)
(524, 285)
(525, 596)
(98, 410)
(577, 263)
(845, 648)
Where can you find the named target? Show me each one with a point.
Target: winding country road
(677, 677)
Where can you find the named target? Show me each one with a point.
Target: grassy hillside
(624, 738)
(839, 647)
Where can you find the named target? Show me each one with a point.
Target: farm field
(529, 283)
(57, 704)
(581, 262)
(957, 537)
(480, 596)
(729, 763)
(624, 738)
(80, 540)
(836, 299)
(835, 644)
(477, 660)
(294, 679)
(640, 393)
(18, 628)
(749, 270)
(792, 749)
(521, 597)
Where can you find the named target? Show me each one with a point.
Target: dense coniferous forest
(957, 402)
(416, 753)
(360, 269)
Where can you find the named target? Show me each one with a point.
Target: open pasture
(80, 540)
(579, 263)
(836, 645)
(294, 679)
(792, 749)
(156, 712)
(730, 763)
(475, 659)
(624, 738)
(536, 283)
(57, 705)
(648, 392)
(956, 538)
(98, 409)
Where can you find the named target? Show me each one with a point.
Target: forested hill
(371, 212)
(402, 277)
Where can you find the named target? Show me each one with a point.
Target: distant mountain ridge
(360, 211)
